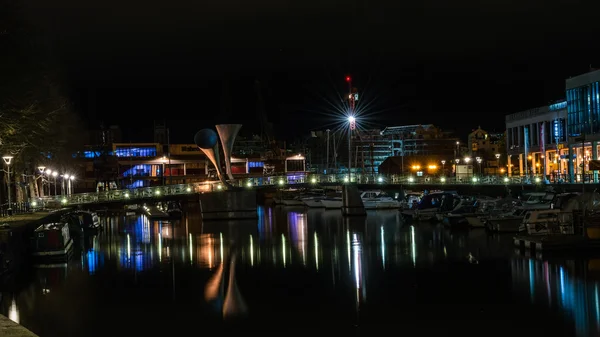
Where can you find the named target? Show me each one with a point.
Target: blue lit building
(536, 142)
(150, 164)
(583, 124)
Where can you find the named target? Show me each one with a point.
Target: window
(134, 151)
(255, 164)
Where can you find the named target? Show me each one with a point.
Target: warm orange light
(416, 167)
(501, 170)
(432, 167)
(528, 157)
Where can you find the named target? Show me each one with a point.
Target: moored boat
(52, 241)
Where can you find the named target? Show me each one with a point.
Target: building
(583, 125)
(422, 141)
(489, 148)
(371, 147)
(535, 141)
(484, 144)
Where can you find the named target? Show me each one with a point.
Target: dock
(546, 243)
(10, 328)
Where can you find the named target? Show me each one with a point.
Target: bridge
(279, 182)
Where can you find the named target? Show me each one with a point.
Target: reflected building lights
(221, 247)
(382, 247)
(128, 247)
(191, 245)
(206, 252)
(251, 251)
(159, 247)
(283, 249)
(357, 268)
(413, 246)
(316, 251)
(348, 250)
(568, 287)
(13, 311)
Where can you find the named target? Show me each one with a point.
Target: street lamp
(352, 126)
(479, 160)
(443, 166)
(65, 187)
(71, 178)
(7, 161)
(497, 155)
(55, 174)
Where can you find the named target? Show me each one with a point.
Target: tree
(38, 125)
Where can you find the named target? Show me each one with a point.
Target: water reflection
(313, 263)
(570, 286)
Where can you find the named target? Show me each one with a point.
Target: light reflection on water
(232, 269)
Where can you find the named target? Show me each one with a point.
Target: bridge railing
(279, 181)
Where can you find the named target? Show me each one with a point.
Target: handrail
(277, 181)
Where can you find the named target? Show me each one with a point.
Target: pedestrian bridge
(303, 180)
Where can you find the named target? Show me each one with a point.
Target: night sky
(457, 64)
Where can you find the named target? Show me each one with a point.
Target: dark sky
(457, 64)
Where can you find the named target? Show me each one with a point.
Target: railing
(16, 208)
(278, 181)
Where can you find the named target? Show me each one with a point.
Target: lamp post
(71, 178)
(456, 168)
(48, 174)
(479, 160)
(497, 155)
(42, 169)
(7, 161)
(55, 174)
(443, 167)
(352, 126)
(64, 186)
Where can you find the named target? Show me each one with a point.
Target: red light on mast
(348, 78)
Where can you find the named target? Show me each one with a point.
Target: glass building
(583, 105)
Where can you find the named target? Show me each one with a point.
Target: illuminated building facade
(558, 141)
(536, 142)
(136, 165)
(583, 125)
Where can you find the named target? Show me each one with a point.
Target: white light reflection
(316, 251)
(251, 251)
(159, 247)
(413, 246)
(382, 247)
(348, 249)
(191, 250)
(357, 268)
(128, 247)
(221, 246)
(13, 312)
(356, 250)
(283, 249)
(301, 228)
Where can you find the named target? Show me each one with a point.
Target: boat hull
(314, 203)
(332, 204)
(61, 254)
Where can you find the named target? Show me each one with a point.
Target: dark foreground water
(302, 272)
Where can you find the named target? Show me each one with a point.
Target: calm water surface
(295, 272)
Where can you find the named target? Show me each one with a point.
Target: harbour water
(298, 271)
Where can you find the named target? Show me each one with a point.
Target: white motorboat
(557, 220)
(332, 203)
(376, 200)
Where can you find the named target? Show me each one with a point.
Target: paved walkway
(9, 328)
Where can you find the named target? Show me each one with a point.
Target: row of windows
(145, 151)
